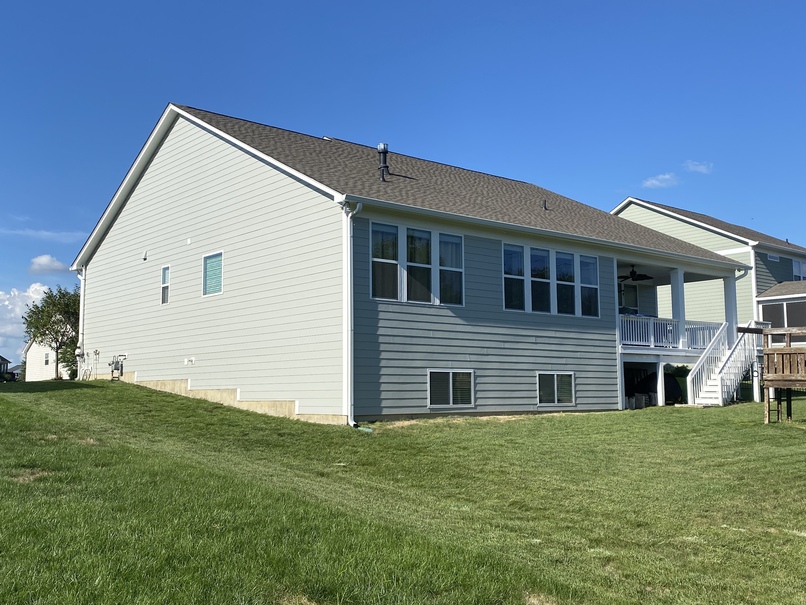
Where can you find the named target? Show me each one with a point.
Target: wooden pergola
(784, 368)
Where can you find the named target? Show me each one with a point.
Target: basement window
(555, 388)
(449, 388)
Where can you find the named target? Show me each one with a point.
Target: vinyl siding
(769, 272)
(396, 343)
(35, 368)
(705, 300)
(275, 332)
(693, 234)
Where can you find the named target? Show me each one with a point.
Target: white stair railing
(708, 364)
(740, 357)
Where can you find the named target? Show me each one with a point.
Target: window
(589, 285)
(47, 359)
(166, 285)
(555, 388)
(450, 388)
(212, 274)
(450, 269)
(384, 262)
(418, 265)
(433, 271)
(541, 280)
(799, 270)
(514, 287)
(559, 282)
(566, 303)
(773, 257)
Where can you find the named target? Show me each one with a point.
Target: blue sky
(693, 104)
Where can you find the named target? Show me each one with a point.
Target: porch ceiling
(661, 275)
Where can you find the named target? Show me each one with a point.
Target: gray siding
(770, 272)
(276, 330)
(396, 343)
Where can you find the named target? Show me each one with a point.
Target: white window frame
(204, 258)
(451, 372)
(395, 262)
(402, 264)
(798, 270)
(165, 286)
(555, 375)
(552, 281)
(47, 359)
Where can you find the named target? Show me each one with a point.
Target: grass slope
(111, 493)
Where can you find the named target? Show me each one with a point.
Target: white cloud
(701, 167)
(45, 263)
(12, 308)
(660, 181)
(61, 237)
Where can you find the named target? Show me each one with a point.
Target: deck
(662, 333)
(784, 367)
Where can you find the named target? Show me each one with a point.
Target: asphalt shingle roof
(352, 169)
(743, 232)
(787, 288)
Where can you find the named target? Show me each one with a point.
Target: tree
(53, 322)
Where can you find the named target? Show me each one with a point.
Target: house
(40, 363)
(771, 260)
(784, 306)
(324, 280)
(15, 371)
(4, 363)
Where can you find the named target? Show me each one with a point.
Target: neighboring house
(40, 363)
(770, 260)
(15, 371)
(784, 306)
(4, 363)
(330, 281)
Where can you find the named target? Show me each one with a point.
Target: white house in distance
(40, 363)
(324, 280)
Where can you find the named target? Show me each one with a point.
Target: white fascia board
(680, 217)
(791, 297)
(659, 255)
(764, 246)
(156, 138)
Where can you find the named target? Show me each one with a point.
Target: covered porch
(648, 342)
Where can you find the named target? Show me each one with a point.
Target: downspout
(622, 395)
(348, 311)
(82, 278)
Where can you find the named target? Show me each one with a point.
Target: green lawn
(110, 493)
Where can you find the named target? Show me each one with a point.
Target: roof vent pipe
(383, 149)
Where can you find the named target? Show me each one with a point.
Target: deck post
(731, 314)
(679, 304)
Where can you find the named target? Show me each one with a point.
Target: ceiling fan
(635, 276)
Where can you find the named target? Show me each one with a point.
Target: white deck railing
(665, 333)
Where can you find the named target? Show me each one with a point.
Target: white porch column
(731, 314)
(661, 384)
(679, 304)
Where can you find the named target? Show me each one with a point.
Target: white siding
(35, 368)
(275, 330)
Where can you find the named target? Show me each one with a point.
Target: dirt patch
(88, 441)
(296, 600)
(29, 475)
(538, 599)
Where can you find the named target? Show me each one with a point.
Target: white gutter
(753, 276)
(348, 321)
